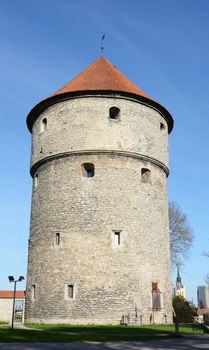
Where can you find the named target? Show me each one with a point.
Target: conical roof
(102, 78)
(99, 76)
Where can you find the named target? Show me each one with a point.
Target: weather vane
(102, 47)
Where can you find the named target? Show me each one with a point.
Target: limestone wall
(84, 124)
(109, 279)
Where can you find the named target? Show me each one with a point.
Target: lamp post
(12, 279)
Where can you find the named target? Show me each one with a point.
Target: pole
(13, 309)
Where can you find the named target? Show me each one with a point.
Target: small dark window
(33, 291)
(36, 180)
(57, 238)
(43, 124)
(88, 169)
(114, 112)
(117, 237)
(156, 296)
(70, 291)
(162, 126)
(146, 175)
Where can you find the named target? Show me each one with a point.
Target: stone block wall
(109, 280)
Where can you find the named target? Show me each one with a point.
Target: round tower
(99, 234)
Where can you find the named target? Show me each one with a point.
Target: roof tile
(9, 294)
(101, 75)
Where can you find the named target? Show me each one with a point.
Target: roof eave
(41, 106)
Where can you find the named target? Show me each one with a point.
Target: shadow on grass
(70, 333)
(75, 334)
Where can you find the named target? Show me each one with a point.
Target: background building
(203, 296)
(179, 289)
(6, 304)
(99, 236)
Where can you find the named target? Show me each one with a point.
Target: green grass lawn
(104, 333)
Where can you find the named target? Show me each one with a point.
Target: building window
(114, 113)
(117, 238)
(162, 126)
(156, 297)
(146, 175)
(70, 291)
(88, 169)
(57, 238)
(33, 291)
(36, 180)
(43, 124)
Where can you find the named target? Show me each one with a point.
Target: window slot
(146, 175)
(57, 238)
(88, 169)
(43, 124)
(114, 113)
(70, 291)
(33, 291)
(36, 180)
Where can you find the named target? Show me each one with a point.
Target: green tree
(184, 311)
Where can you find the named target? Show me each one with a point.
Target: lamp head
(11, 278)
(21, 278)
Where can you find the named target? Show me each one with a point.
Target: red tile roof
(203, 311)
(101, 75)
(9, 294)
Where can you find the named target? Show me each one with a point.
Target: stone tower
(99, 236)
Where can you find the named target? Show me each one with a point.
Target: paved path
(184, 343)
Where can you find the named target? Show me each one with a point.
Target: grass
(91, 333)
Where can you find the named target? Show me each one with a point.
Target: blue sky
(161, 45)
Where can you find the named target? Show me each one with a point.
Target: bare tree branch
(206, 254)
(181, 234)
(207, 278)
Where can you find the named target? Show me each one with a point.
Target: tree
(207, 276)
(185, 312)
(181, 234)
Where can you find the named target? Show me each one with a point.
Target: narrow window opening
(43, 124)
(36, 180)
(162, 126)
(57, 238)
(88, 169)
(146, 175)
(117, 237)
(70, 291)
(114, 113)
(33, 291)
(156, 297)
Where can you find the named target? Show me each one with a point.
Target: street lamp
(12, 279)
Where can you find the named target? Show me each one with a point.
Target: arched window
(43, 124)
(114, 113)
(88, 169)
(146, 175)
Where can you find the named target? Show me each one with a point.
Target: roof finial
(102, 47)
